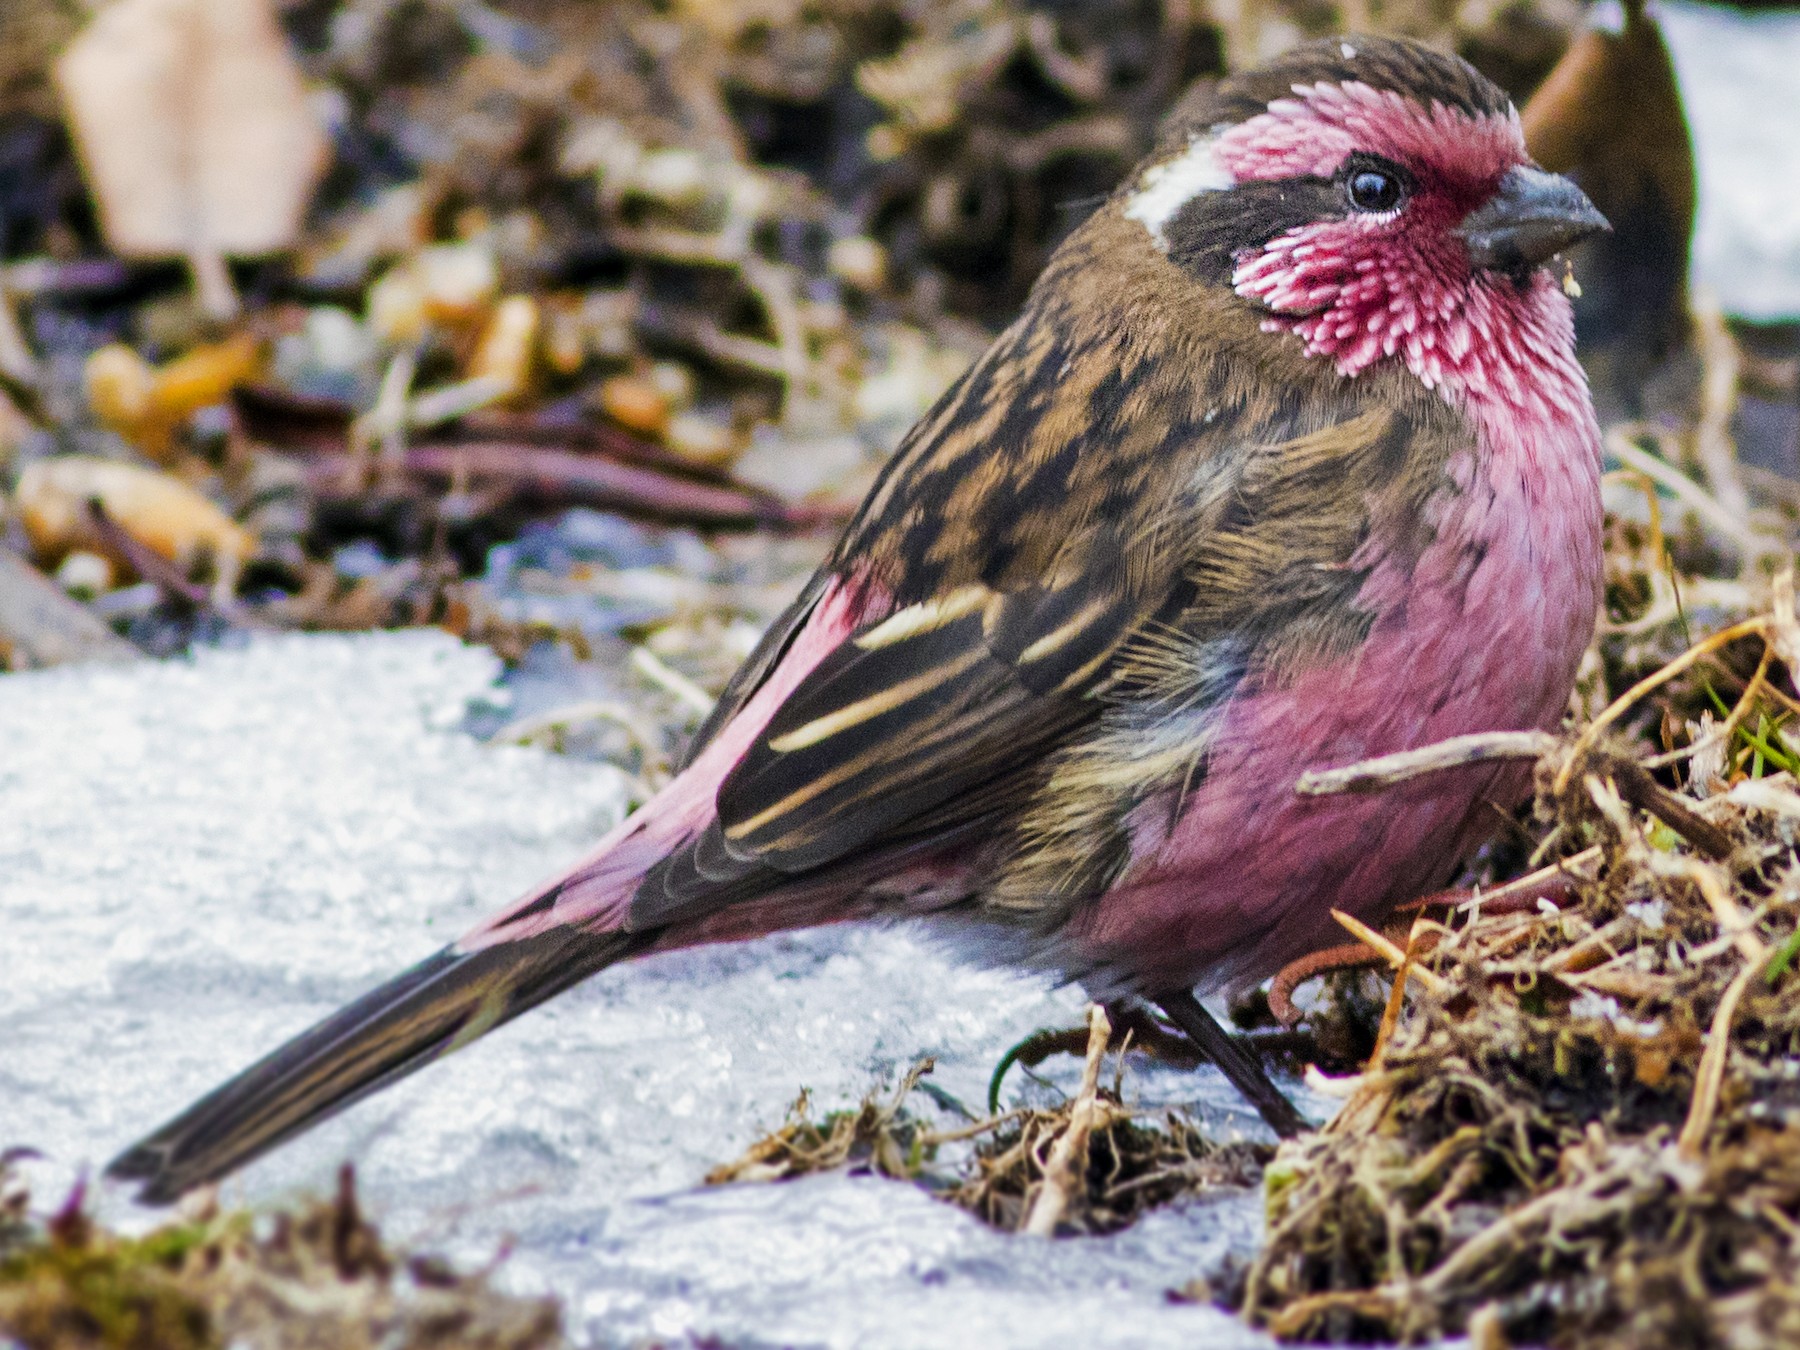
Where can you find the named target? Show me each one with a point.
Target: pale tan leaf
(193, 127)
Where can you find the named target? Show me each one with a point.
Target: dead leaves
(194, 130)
(163, 514)
(148, 405)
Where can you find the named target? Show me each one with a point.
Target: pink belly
(1482, 639)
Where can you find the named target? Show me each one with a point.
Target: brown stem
(145, 561)
(560, 476)
(1637, 787)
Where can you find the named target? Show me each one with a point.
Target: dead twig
(1459, 751)
(1550, 881)
(1711, 1076)
(1637, 787)
(1388, 951)
(561, 476)
(1068, 1156)
(1591, 734)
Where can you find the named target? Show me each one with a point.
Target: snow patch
(200, 858)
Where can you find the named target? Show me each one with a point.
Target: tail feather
(439, 1005)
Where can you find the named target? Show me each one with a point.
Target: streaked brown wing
(926, 705)
(1089, 494)
(923, 717)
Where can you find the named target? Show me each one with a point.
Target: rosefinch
(1287, 463)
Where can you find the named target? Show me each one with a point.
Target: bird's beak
(1531, 218)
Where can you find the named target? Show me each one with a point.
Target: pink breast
(1484, 634)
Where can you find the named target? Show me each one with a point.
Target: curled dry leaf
(146, 404)
(636, 403)
(859, 261)
(697, 437)
(162, 513)
(193, 127)
(454, 285)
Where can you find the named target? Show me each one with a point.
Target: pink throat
(1502, 351)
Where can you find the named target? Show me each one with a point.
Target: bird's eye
(1374, 190)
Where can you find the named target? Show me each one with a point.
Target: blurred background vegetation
(328, 313)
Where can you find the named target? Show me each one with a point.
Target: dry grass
(1585, 1127)
(880, 1136)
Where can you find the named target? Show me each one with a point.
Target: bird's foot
(1133, 1025)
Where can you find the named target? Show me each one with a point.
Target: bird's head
(1375, 198)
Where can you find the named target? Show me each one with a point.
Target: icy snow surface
(1736, 75)
(198, 858)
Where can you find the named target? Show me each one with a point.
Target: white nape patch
(1171, 185)
(1348, 51)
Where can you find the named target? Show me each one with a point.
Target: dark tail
(439, 1005)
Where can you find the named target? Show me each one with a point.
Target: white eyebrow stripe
(1171, 185)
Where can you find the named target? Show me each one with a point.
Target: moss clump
(318, 1276)
(1134, 1164)
(881, 1136)
(82, 1287)
(1120, 1165)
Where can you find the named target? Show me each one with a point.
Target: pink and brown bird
(1287, 463)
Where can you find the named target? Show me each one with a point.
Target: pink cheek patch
(1502, 352)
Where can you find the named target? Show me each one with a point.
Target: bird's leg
(1127, 1017)
(1236, 1063)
